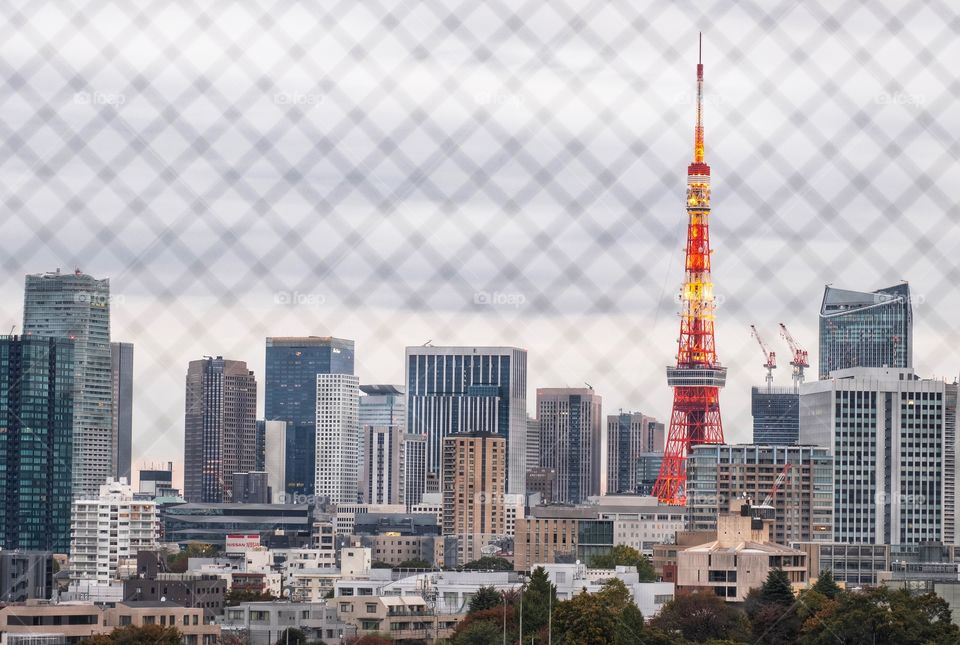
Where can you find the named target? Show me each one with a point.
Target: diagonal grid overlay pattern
(475, 173)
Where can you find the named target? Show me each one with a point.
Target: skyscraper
(220, 427)
(121, 367)
(275, 458)
(776, 415)
(573, 442)
(697, 376)
(36, 447)
(76, 306)
(859, 329)
(474, 499)
(469, 389)
(383, 469)
(630, 436)
(890, 432)
(290, 394)
(338, 438)
(383, 405)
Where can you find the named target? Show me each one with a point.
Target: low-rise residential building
(739, 559)
(571, 579)
(262, 623)
(399, 618)
(73, 622)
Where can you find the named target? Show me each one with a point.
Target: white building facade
(338, 437)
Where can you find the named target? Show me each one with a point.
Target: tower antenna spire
(698, 132)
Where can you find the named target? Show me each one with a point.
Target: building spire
(698, 133)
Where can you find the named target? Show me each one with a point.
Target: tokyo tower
(698, 376)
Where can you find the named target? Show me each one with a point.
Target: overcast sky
(375, 172)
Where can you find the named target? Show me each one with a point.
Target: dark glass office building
(860, 329)
(292, 366)
(776, 416)
(36, 442)
(121, 361)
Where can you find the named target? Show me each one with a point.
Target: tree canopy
(489, 563)
(626, 556)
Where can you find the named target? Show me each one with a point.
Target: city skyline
(807, 131)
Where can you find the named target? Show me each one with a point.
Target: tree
(137, 635)
(368, 639)
(773, 610)
(177, 562)
(538, 597)
(826, 586)
(626, 556)
(701, 616)
(496, 617)
(607, 617)
(882, 615)
(296, 637)
(489, 563)
(485, 598)
(236, 596)
(482, 632)
(380, 564)
(414, 564)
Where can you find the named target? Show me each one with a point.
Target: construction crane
(800, 357)
(771, 357)
(768, 500)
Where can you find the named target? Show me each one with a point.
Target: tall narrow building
(474, 499)
(469, 389)
(697, 377)
(76, 306)
(382, 472)
(573, 442)
(36, 443)
(338, 438)
(121, 362)
(860, 329)
(631, 438)
(220, 428)
(290, 394)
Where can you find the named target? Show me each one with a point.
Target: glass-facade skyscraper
(469, 389)
(290, 394)
(859, 329)
(76, 306)
(776, 416)
(36, 443)
(122, 367)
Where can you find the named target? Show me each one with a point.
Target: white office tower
(382, 466)
(275, 458)
(338, 437)
(108, 531)
(893, 437)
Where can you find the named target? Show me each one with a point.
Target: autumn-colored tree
(137, 635)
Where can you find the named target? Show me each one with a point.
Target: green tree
(482, 632)
(485, 598)
(177, 562)
(773, 610)
(626, 556)
(467, 631)
(296, 637)
(607, 617)
(236, 596)
(702, 616)
(538, 597)
(882, 615)
(489, 563)
(380, 564)
(414, 564)
(826, 585)
(138, 635)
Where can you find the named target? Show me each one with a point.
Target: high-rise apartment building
(121, 367)
(630, 436)
(382, 472)
(474, 496)
(414, 469)
(776, 415)
(803, 502)
(573, 442)
(891, 434)
(36, 448)
(76, 306)
(290, 394)
(108, 532)
(220, 428)
(859, 329)
(338, 437)
(451, 390)
(533, 444)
